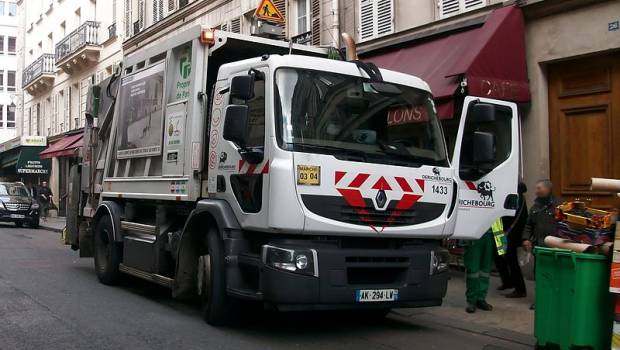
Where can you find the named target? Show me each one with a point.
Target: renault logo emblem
(381, 198)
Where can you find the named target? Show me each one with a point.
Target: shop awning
(22, 161)
(65, 147)
(490, 57)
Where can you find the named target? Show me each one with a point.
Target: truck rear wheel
(108, 253)
(216, 305)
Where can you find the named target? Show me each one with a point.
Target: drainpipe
(336, 23)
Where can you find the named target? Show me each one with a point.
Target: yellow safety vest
(500, 238)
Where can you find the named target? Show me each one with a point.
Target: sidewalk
(56, 223)
(511, 319)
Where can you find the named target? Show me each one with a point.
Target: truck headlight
(439, 261)
(303, 261)
(34, 206)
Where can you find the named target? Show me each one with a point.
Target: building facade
(9, 89)
(312, 22)
(64, 47)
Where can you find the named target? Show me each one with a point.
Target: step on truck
(230, 168)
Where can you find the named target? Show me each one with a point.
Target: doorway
(584, 126)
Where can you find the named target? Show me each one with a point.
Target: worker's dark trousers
(478, 260)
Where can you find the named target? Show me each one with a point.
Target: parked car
(18, 205)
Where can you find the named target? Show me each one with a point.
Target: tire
(19, 223)
(108, 253)
(217, 308)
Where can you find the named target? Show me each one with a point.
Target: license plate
(375, 295)
(17, 216)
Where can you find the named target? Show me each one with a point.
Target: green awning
(23, 161)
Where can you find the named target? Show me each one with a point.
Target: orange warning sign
(267, 11)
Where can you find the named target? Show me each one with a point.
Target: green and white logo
(185, 65)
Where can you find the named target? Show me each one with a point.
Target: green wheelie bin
(574, 308)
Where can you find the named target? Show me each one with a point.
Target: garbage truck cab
(286, 178)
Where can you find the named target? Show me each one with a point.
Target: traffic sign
(267, 11)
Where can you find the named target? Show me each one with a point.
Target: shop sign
(34, 141)
(500, 89)
(30, 163)
(407, 115)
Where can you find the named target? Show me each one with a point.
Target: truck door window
(501, 129)
(256, 122)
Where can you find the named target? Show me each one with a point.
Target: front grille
(376, 269)
(17, 206)
(374, 217)
(337, 208)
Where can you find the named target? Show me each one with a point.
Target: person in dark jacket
(509, 264)
(541, 221)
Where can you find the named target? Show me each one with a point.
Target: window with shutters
(141, 9)
(316, 22)
(128, 19)
(158, 10)
(376, 18)
(235, 25)
(302, 16)
(448, 8)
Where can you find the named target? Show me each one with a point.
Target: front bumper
(22, 215)
(343, 271)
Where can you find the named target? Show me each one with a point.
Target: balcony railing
(42, 65)
(86, 34)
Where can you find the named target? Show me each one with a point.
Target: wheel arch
(208, 214)
(113, 210)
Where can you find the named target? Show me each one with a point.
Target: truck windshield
(354, 119)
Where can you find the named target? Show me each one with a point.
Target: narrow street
(51, 299)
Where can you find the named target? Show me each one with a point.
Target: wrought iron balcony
(39, 75)
(79, 48)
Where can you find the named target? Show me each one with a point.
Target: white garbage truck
(229, 168)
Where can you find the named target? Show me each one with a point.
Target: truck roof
(319, 64)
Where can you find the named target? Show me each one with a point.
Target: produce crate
(576, 213)
(574, 309)
(577, 233)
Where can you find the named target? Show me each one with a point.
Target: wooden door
(584, 123)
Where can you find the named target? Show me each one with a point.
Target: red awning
(491, 57)
(67, 146)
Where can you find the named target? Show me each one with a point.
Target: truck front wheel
(216, 305)
(108, 253)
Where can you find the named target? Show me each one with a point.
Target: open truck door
(486, 158)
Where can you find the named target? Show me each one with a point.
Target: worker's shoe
(514, 295)
(504, 287)
(483, 305)
(471, 308)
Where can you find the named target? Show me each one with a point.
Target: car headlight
(439, 261)
(34, 206)
(303, 261)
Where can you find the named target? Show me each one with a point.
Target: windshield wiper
(333, 150)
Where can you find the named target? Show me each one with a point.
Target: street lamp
(12, 107)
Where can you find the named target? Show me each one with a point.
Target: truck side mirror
(242, 87)
(482, 113)
(483, 148)
(236, 124)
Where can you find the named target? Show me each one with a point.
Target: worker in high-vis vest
(478, 262)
